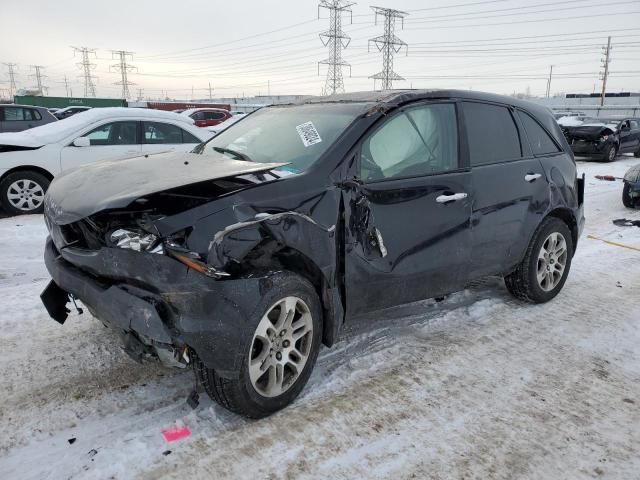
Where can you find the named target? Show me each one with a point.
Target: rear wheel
(546, 263)
(281, 355)
(627, 200)
(610, 153)
(23, 192)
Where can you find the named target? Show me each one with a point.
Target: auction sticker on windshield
(308, 134)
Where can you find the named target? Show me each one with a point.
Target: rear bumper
(158, 301)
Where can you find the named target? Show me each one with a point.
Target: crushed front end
(144, 288)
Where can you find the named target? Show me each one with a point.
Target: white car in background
(29, 160)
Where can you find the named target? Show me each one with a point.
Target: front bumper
(588, 148)
(158, 300)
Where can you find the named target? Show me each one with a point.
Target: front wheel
(282, 352)
(627, 200)
(23, 192)
(545, 267)
(610, 153)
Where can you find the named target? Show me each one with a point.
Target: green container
(61, 102)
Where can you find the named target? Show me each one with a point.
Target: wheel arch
(292, 260)
(567, 216)
(28, 168)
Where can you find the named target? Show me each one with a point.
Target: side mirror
(82, 142)
(624, 126)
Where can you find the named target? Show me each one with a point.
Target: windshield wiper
(238, 155)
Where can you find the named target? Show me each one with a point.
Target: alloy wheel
(552, 260)
(280, 347)
(25, 195)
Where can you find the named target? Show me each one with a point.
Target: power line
(336, 40)
(12, 79)
(124, 68)
(86, 66)
(389, 45)
(38, 76)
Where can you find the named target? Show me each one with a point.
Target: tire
(627, 200)
(610, 153)
(250, 394)
(636, 153)
(23, 192)
(524, 282)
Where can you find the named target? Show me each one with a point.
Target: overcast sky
(256, 47)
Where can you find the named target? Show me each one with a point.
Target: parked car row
(30, 159)
(243, 256)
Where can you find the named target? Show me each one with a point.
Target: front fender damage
(291, 229)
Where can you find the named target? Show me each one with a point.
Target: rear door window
(492, 134)
(165, 133)
(540, 141)
(419, 141)
(213, 115)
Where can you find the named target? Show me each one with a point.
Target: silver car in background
(16, 118)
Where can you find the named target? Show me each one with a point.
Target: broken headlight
(138, 241)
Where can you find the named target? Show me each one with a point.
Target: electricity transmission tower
(124, 68)
(336, 40)
(605, 73)
(12, 79)
(38, 76)
(86, 66)
(389, 45)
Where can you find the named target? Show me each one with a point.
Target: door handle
(451, 198)
(532, 177)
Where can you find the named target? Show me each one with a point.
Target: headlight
(137, 241)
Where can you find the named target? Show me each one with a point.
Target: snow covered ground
(477, 386)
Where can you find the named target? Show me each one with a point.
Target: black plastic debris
(72, 440)
(193, 400)
(92, 453)
(623, 222)
(166, 452)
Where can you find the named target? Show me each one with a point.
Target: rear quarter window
(492, 134)
(540, 141)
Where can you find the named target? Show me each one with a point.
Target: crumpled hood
(589, 132)
(81, 192)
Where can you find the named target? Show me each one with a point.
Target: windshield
(296, 135)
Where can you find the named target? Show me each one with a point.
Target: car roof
(397, 97)
(189, 111)
(19, 105)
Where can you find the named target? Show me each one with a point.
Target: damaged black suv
(242, 257)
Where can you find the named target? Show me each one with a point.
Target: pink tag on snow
(174, 434)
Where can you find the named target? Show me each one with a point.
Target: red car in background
(207, 117)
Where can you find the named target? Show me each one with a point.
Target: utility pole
(86, 66)
(12, 79)
(336, 40)
(605, 74)
(389, 45)
(66, 85)
(549, 81)
(123, 67)
(38, 76)
(210, 92)
(140, 94)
